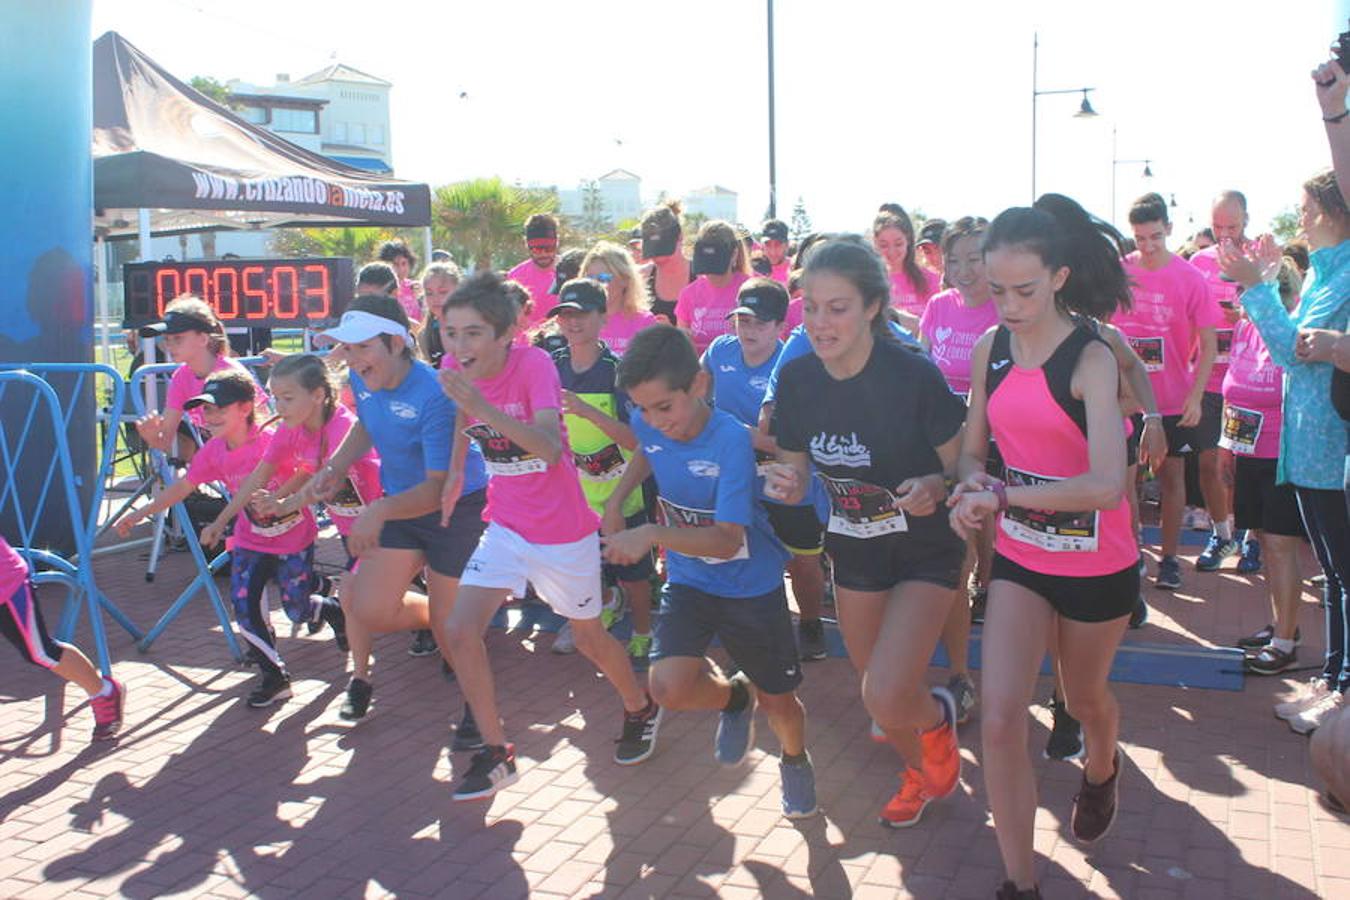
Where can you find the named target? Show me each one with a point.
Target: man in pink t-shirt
(774, 237)
(536, 273)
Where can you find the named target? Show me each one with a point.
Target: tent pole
(101, 264)
(147, 344)
(426, 246)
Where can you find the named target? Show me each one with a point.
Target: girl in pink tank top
(1046, 386)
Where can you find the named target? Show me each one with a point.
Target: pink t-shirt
(903, 295)
(1207, 261)
(703, 308)
(540, 502)
(185, 384)
(951, 329)
(1253, 398)
(13, 570)
(217, 462)
(302, 450)
(407, 298)
(537, 281)
(620, 328)
(780, 272)
(1170, 306)
(794, 316)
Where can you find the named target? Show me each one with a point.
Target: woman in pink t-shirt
(911, 284)
(721, 265)
(627, 307)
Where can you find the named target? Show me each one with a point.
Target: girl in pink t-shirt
(722, 266)
(911, 284)
(627, 308)
(540, 528)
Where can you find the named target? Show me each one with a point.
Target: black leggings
(1326, 517)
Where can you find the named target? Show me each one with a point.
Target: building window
(377, 135)
(255, 114)
(298, 121)
(359, 133)
(340, 132)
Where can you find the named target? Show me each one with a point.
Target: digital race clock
(245, 293)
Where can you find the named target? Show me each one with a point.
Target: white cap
(357, 326)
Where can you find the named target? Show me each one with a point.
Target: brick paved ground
(205, 797)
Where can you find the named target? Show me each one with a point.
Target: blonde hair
(619, 262)
(725, 232)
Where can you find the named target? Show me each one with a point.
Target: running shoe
(799, 788)
(1169, 574)
(941, 750)
(1196, 519)
(1094, 806)
(108, 711)
(273, 686)
(563, 642)
(811, 640)
(1066, 734)
(638, 741)
(1009, 891)
(326, 589)
(908, 803)
(331, 612)
(1139, 615)
(1216, 551)
(1249, 562)
(640, 651)
(467, 735)
(1307, 694)
(979, 599)
(423, 643)
(1263, 636)
(963, 690)
(1271, 660)
(736, 731)
(1311, 717)
(611, 613)
(357, 703)
(491, 769)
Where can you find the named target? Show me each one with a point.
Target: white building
(714, 202)
(618, 192)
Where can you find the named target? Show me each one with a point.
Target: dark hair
(1208, 234)
(311, 373)
(966, 226)
(491, 296)
(541, 225)
(1297, 251)
(441, 256)
(377, 274)
(1323, 188)
(658, 351)
(1063, 234)
(569, 263)
(665, 216)
(396, 249)
(893, 215)
(1149, 208)
(386, 307)
(854, 259)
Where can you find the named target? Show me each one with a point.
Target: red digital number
(226, 300)
(250, 292)
(168, 285)
(320, 309)
(200, 289)
(285, 301)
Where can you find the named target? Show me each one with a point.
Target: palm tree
(483, 219)
(359, 244)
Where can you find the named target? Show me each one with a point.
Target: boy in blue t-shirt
(740, 365)
(724, 574)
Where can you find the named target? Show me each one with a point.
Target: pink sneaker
(108, 712)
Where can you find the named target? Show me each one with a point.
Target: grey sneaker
(563, 642)
(799, 789)
(736, 731)
(963, 692)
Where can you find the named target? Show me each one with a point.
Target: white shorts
(566, 576)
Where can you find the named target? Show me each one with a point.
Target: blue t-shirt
(738, 388)
(412, 428)
(798, 344)
(712, 479)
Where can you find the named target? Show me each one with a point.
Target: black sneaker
(1169, 574)
(1066, 735)
(639, 735)
(491, 769)
(1263, 636)
(1009, 891)
(423, 643)
(811, 639)
(331, 612)
(1094, 807)
(979, 598)
(273, 686)
(1139, 615)
(467, 735)
(357, 702)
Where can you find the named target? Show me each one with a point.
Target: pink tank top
(1041, 431)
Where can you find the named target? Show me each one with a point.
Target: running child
(721, 265)
(725, 567)
(540, 528)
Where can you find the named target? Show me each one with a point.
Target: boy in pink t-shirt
(540, 528)
(536, 274)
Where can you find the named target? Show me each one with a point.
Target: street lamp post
(773, 165)
(1116, 162)
(1085, 110)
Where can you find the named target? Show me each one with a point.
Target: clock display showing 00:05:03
(243, 292)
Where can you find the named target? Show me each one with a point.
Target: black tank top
(663, 308)
(1058, 368)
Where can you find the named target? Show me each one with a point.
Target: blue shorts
(21, 622)
(447, 548)
(756, 631)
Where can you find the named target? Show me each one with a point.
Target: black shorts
(1180, 441)
(1132, 440)
(880, 563)
(1258, 502)
(1094, 598)
(446, 549)
(1211, 421)
(642, 570)
(798, 527)
(756, 631)
(21, 624)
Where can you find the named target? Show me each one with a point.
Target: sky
(925, 104)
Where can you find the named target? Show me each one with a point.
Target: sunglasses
(603, 277)
(542, 246)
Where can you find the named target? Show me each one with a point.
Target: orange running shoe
(905, 808)
(941, 750)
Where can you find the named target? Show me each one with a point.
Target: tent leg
(426, 245)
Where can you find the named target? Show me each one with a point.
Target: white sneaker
(1306, 695)
(564, 642)
(1313, 716)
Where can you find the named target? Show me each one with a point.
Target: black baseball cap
(581, 295)
(658, 240)
(763, 298)
(711, 257)
(179, 321)
(222, 392)
(931, 232)
(774, 230)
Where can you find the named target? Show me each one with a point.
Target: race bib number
(1150, 350)
(605, 464)
(272, 526)
(1224, 338)
(347, 502)
(1057, 532)
(862, 510)
(1241, 428)
(503, 456)
(762, 462)
(676, 516)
